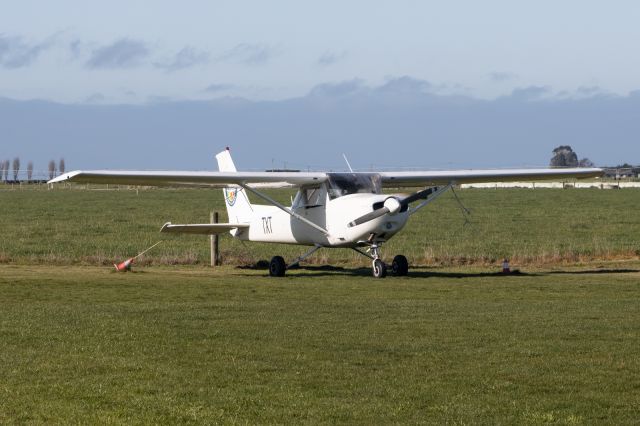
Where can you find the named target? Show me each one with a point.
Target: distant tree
(16, 168)
(61, 166)
(29, 171)
(1, 169)
(563, 156)
(5, 169)
(52, 169)
(585, 162)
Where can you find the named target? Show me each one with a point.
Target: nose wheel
(379, 269)
(399, 266)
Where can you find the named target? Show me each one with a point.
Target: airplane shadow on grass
(593, 271)
(415, 273)
(328, 270)
(418, 273)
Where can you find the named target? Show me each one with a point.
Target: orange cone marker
(126, 265)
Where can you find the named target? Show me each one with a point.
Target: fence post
(215, 253)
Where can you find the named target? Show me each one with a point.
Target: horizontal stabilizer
(202, 228)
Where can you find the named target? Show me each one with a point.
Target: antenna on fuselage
(347, 161)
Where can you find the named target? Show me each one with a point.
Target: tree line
(565, 156)
(12, 168)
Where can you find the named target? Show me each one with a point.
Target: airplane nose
(393, 205)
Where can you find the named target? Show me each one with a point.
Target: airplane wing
(422, 178)
(186, 178)
(202, 228)
(295, 179)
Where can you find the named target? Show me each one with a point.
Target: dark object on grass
(506, 269)
(262, 264)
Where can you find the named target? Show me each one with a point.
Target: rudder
(238, 205)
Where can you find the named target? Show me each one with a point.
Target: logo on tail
(230, 195)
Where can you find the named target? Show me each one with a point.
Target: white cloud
(330, 58)
(15, 52)
(249, 54)
(123, 53)
(216, 88)
(187, 57)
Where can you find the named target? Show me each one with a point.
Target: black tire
(400, 266)
(379, 269)
(277, 267)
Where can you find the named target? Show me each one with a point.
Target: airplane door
(310, 203)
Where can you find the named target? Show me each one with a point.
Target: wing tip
(64, 177)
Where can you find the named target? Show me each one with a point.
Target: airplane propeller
(392, 205)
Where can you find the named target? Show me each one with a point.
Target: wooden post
(215, 253)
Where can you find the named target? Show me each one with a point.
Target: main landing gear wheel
(277, 267)
(400, 266)
(379, 269)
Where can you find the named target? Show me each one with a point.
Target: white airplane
(333, 210)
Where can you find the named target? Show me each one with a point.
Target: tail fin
(238, 206)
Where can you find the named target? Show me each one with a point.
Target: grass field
(454, 342)
(531, 227)
(192, 345)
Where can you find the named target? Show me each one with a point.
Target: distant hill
(394, 125)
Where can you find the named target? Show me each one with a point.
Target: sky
(320, 62)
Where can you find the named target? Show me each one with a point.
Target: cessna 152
(344, 210)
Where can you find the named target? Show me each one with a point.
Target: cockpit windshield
(340, 184)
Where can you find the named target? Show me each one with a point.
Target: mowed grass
(188, 344)
(170, 345)
(530, 227)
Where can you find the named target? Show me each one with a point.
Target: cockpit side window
(314, 196)
(310, 197)
(341, 184)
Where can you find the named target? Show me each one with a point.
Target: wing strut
(285, 209)
(431, 198)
